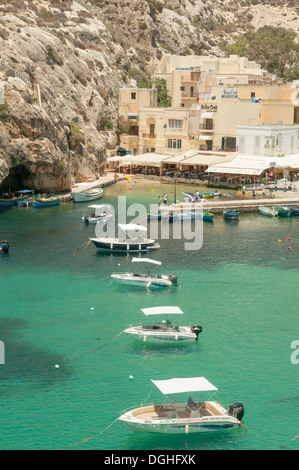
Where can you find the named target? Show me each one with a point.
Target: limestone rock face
(62, 63)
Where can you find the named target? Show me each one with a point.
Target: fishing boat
(4, 246)
(295, 211)
(164, 330)
(230, 214)
(146, 280)
(90, 194)
(8, 202)
(269, 211)
(45, 201)
(186, 416)
(137, 243)
(283, 211)
(208, 216)
(25, 197)
(100, 213)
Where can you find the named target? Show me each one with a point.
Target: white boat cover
(193, 384)
(146, 260)
(132, 227)
(162, 311)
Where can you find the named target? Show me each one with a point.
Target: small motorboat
(45, 201)
(283, 211)
(269, 211)
(208, 216)
(137, 243)
(230, 214)
(163, 330)
(187, 416)
(4, 246)
(87, 195)
(146, 280)
(100, 213)
(295, 211)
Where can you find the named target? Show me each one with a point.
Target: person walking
(165, 199)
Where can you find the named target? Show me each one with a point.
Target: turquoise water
(59, 306)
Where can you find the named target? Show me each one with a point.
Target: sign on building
(229, 93)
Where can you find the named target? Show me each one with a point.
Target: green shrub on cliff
(275, 48)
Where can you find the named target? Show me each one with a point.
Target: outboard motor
(236, 410)
(196, 329)
(174, 279)
(86, 220)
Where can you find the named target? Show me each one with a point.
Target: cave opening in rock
(16, 180)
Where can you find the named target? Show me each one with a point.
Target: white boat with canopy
(146, 280)
(186, 417)
(137, 243)
(163, 330)
(100, 213)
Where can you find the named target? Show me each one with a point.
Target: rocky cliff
(62, 63)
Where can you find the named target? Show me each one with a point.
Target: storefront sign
(229, 93)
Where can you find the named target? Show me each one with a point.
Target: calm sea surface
(59, 307)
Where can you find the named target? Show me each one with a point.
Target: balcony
(173, 130)
(207, 126)
(149, 136)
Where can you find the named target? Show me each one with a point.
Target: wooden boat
(164, 331)
(4, 246)
(295, 211)
(7, 202)
(283, 211)
(231, 214)
(45, 202)
(269, 211)
(87, 195)
(208, 216)
(126, 245)
(146, 280)
(184, 417)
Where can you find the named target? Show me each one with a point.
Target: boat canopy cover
(162, 311)
(132, 227)
(23, 191)
(146, 260)
(193, 384)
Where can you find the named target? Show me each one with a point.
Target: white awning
(114, 159)
(205, 137)
(242, 165)
(126, 227)
(207, 115)
(146, 260)
(193, 384)
(162, 311)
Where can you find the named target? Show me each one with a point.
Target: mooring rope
(100, 347)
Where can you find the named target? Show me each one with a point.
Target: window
(182, 88)
(175, 124)
(174, 143)
(133, 96)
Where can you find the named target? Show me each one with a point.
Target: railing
(149, 136)
(173, 130)
(206, 126)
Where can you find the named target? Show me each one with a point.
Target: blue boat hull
(231, 215)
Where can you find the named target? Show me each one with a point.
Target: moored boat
(269, 211)
(4, 246)
(163, 330)
(231, 214)
(90, 194)
(146, 280)
(45, 201)
(100, 213)
(137, 243)
(206, 216)
(283, 211)
(186, 417)
(295, 211)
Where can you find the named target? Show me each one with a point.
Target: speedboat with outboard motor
(163, 330)
(146, 280)
(100, 213)
(137, 243)
(184, 417)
